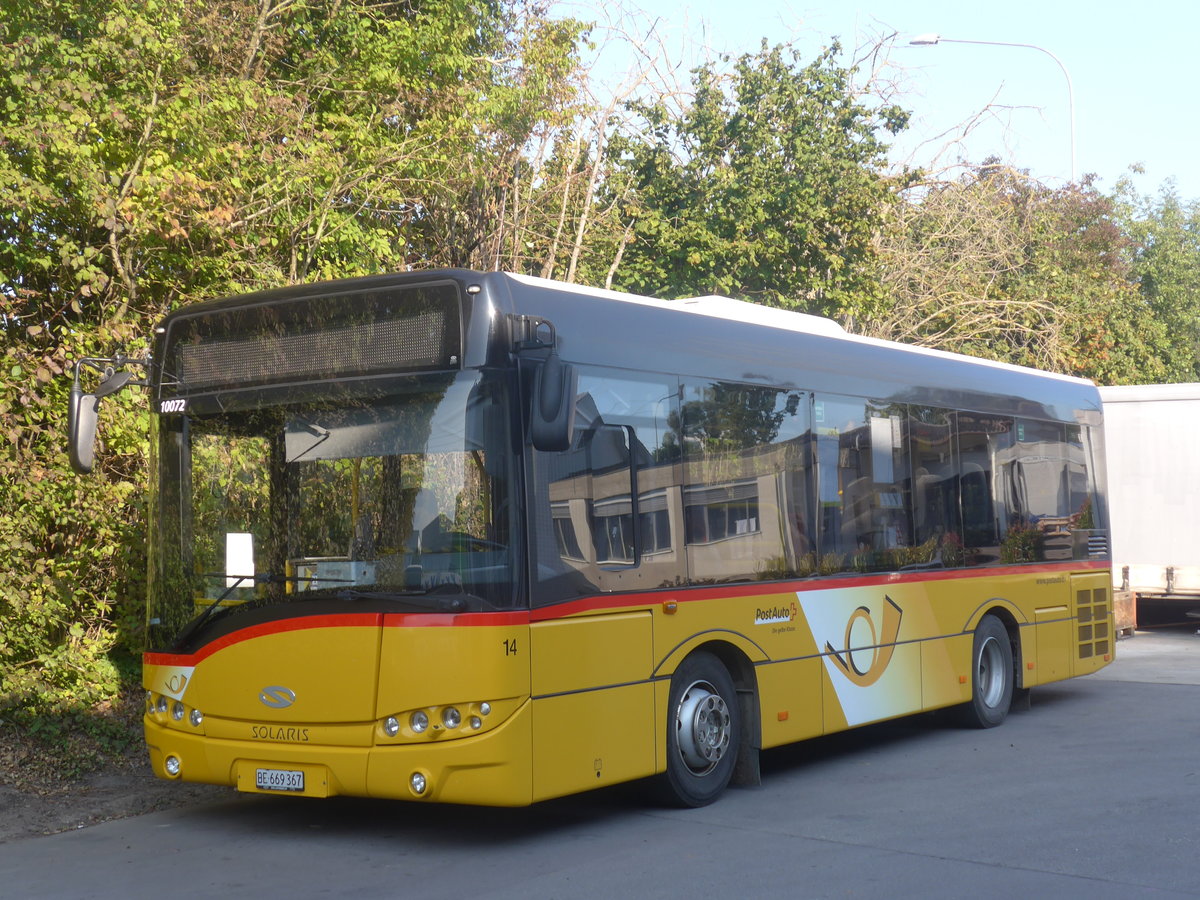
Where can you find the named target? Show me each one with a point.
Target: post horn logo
(878, 650)
(277, 697)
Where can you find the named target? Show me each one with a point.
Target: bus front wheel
(992, 675)
(703, 731)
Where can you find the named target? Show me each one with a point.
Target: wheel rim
(702, 725)
(991, 676)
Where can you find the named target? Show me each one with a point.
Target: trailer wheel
(703, 731)
(992, 675)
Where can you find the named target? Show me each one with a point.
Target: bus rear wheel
(992, 675)
(703, 731)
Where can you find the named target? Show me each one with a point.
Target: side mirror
(552, 406)
(81, 429)
(83, 410)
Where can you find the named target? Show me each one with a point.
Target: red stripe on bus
(598, 602)
(279, 626)
(450, 620)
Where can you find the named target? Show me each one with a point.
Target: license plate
(279, 780)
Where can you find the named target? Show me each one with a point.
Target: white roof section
(1139, 393)
(743, 311)
(785, 320)
(709, 305)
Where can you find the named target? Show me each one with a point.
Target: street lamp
(931, 39)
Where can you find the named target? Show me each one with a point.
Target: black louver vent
(1094, 615)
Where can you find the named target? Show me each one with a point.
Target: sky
(1131, 67)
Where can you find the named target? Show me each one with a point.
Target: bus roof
(752, 343)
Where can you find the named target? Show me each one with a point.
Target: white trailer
(1152, 438)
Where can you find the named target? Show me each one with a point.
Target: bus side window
(607, 511)
(935, 488)
(747, 471)
(609, 502)
(983, 445)
(1047, 479)
(864, 476)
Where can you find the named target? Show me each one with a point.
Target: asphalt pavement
(1091, 791)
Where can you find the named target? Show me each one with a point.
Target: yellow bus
(483, 538)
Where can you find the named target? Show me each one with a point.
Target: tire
(704, 726)
(992, 675)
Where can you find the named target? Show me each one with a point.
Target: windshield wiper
(213, 608)
(435, 599)
(196, 623)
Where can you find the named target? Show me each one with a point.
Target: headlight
(451, 717)
(177, 711)
(196, 718)
(419, 721)
(391, 726)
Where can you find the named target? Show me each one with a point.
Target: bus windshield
(400, 501)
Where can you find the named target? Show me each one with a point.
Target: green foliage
(1022, 543)
(158, 153)
(1165, 261)
(952, 551)
(72, 585)
(153, 154)
(999, 266)
(769, 187)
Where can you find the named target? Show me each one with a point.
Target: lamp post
(929, 40)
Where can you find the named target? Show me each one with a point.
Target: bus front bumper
(491, 769)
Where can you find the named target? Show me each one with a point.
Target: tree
(999, 266)
(156, 153)
(161, 152)
(1165, 263)
(769, 186)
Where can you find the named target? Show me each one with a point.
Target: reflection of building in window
(715, 512)
(564, 531)
(612, 529)
(655, 521)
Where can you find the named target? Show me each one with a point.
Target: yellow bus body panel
(594, 714)
(578, 698)
(232, 678)
(426, 666)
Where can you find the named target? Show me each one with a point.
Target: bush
(1022, 543)
(73, 581)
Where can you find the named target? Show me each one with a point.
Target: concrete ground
(1158, 656)
(1090, 791)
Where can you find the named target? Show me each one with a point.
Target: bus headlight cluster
(166, 710)
(454, 720)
